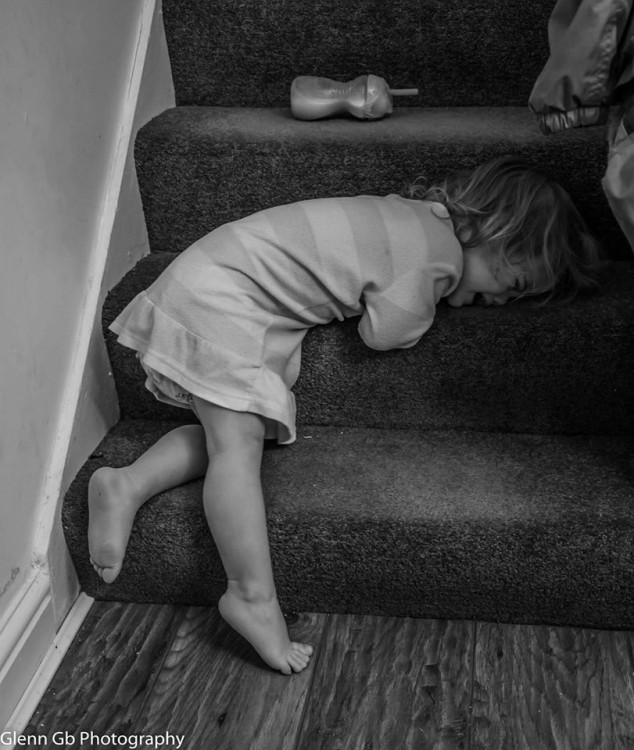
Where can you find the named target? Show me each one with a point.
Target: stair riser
(484, 52)
(367, 573)
(198, 170)
(518, 369)
(519, 530)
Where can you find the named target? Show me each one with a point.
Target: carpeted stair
(486, 473)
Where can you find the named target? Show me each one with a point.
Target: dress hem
(285, 431)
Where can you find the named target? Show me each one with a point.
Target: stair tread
(412, 124)
(430, 475)
(442, 523)
(521, 368)
(191, 161)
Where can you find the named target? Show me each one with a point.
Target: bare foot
(112, 508)
(263, 625)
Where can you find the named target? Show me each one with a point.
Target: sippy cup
(366, 97)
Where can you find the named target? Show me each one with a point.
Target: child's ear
(464, 235)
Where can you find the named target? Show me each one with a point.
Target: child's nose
(501, 299)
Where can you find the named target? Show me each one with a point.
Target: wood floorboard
(104, 677)
(387, 682)
(215, 690)
(552, 689)
(375, 683)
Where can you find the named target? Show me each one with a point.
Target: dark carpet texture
(199, 167)
(245, 54)
(521, 368)
(521, 528)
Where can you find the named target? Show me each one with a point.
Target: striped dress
(225, 321)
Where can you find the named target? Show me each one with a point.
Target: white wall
(97, 408)
(77, 77)
(65, 68)
(62, 66)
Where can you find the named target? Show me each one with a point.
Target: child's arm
(397, 317)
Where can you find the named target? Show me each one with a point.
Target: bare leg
(115, 495)
(236, 515)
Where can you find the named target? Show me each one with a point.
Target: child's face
(483, 283)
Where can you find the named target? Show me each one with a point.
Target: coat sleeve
(590, 55)
(618, 181)
(397, 317)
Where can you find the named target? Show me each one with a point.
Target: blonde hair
(525, 218)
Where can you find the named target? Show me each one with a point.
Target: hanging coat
(590, 69)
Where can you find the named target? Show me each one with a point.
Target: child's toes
(96, 567)
(109, 574)
(297, 663)
(299, 656)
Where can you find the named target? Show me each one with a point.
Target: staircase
(487, 473)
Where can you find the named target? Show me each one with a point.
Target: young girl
(220, 332)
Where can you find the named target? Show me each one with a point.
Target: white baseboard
(36, 654)
(26, 632)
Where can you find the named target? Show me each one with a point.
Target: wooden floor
(180, 676)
